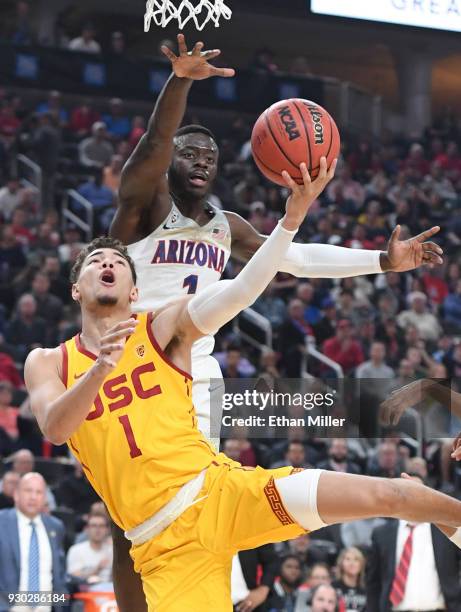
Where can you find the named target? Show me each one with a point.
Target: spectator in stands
(263, 61)
(252, 577)
(49, 307)
(418, 315)
(75, 492)
(100, 196)
(416, 160)
(286, 593)
(10, 198)
(8, 413)
(8, 369)
(300, 67)
(412, 567)
(54, 107)
(112, 174)
(306, 293)
(452, 361)
(138, 127)
(351, 579)
(10, 483)
(86, 43)
(45, 142)
(350, 189)
(117, 122)
(292, 338)
(376, 367)
(271, 306)
(47, 240)
(247, 191)
(117, 44)
(386, 463)
(9, 122)
(294, 456)
(31, 546)
(343, 348)
(26, 329)
(96, 151)
(232, 363)
(82, 119)
(324, 599)
(232, 448)
(452, 308)
(326, 327)
(22, 32)
(20, 227)
(338, 458)
(91, 561)
(59, 284)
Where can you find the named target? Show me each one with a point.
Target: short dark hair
(194, 129)
(103, 242)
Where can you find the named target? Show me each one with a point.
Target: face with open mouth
(194, 165)
(106, 279)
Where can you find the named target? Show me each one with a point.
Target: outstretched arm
(206, 312)
(60, 411)
(329, 261)
(144, 175)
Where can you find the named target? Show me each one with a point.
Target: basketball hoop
(163, 11)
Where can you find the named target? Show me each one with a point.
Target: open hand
(303, 196)
(394, 406)
(113, 343)
(194, 64)
(404, 255)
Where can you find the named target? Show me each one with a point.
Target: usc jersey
(139, 443)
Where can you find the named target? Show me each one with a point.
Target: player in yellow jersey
(119, 393)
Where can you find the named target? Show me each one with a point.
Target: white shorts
(204, 369)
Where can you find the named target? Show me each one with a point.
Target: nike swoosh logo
(79, 375)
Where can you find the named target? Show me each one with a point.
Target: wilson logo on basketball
(317, 123)
(289, 123)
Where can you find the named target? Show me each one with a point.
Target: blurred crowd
(395, 327)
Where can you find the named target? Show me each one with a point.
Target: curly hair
(103, 242)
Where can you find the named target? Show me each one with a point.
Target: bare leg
(347, 497)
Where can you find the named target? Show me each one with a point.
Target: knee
(390, 496)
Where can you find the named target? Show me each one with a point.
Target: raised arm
(206, 312)
(329, 261)
(144, 180)
(60, 411)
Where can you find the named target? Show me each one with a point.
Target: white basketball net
(163, 11)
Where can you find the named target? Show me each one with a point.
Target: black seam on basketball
(331, 137)
(295, 178)
(277, 143)
(307, 137)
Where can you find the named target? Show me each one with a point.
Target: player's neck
(194, 208)
(95, 325)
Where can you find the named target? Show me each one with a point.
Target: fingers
(433, 247)
(110, 348)
(305, 174)
(322, 175)
(182, 45)
(209, 55)
(427, 234)
(222, 72)
(395, 234)
(432, 258)
(169, 53)
(332, 170)
(197, 50)
(289, 181)
(119, 331)
(405, 476)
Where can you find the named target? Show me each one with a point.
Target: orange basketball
(290, 132)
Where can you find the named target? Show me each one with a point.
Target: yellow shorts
(188, 565)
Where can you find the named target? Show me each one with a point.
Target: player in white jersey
(180, 243)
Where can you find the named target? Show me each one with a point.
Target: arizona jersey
(180, 257)
(139, 443)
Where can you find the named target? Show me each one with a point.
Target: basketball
(290, 132)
